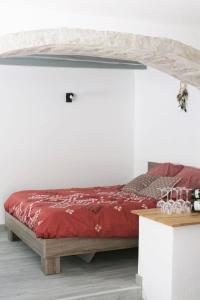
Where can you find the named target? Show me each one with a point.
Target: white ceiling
(183, 12)
(170, 11)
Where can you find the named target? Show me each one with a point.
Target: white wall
(162, 131)
(47, 143)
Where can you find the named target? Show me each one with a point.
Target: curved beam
(170, 56)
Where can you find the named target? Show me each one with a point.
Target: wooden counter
(174, 220)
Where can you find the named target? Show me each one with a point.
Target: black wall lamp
(69, 97)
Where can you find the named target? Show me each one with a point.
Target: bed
(51, 245)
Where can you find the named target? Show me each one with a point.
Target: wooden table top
(173, 220)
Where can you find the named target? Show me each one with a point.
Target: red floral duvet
(87, 212)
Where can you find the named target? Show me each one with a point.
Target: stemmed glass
(161, 203)
(177, 205)
(171, 201)
(187, 204)
(167, 206)
(180, 205)
(180, 200)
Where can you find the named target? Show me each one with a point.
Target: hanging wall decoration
(182, 96)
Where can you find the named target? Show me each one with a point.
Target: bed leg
(11, 236)
(50, 265)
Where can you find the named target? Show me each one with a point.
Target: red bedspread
(87, 212)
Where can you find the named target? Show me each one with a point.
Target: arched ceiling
(167, 55)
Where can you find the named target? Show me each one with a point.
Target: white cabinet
(169, 256)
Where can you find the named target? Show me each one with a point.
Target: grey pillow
(139, 183)
(162, 182)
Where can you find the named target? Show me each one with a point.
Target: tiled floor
(111, 275)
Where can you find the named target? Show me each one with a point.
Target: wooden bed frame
(50, 250)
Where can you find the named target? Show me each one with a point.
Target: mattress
(78, 212)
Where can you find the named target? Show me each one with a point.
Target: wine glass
(168, 205)
(187, 205)
(171, 201)
(177, 208)
(168, 208)
(161, 202)
(177, 205)
(176, 192)
(180, 200)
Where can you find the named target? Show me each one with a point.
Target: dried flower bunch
(182, 96)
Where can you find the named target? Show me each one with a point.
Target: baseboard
(138, 279)
(2, 227)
